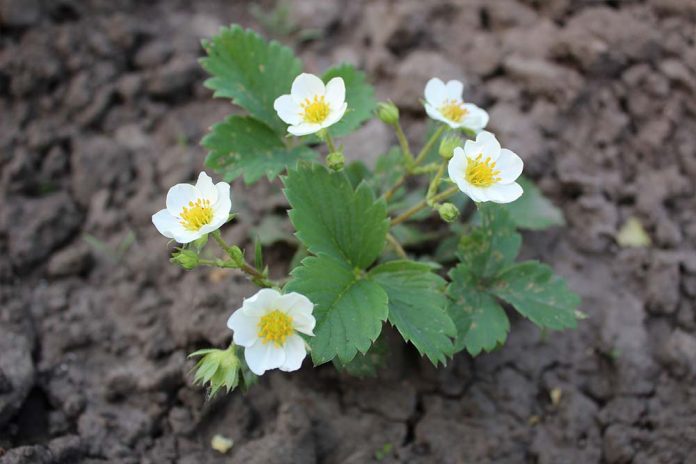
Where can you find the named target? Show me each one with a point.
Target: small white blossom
(443, 102)
(267, 326)
(311, 105)
(486, 172)
(194, 210)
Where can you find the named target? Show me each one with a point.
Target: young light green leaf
(418, 307)
(332, 218)
(533, 210)
(349, 308)
(250, 71)
(241, 145)
(360, 97)
(481, 323)
(539, 295)
(491, 246)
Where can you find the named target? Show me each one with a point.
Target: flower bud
(187, 259)
(388, 113)
(335, 161)
(447, 146)
(219, 368)
(448, 212)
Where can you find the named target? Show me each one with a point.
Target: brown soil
(102, 109)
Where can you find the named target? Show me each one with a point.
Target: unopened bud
(219, 368)
(335, 161)
(448, 212)
(388, 113)
(187, 259)
(447, 146)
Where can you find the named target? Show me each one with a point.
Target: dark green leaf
(481, 323)
(491, 246)
(349, 308)
(360, 97)
(250, 71)
(418, 307)
(244, 146)
(366, 365)
(332, 218)
(539, 295)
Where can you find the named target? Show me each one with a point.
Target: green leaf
(250, 71)
(244, 146)
(539, 295)
(491, 246)
(357, 172)
(388, 168)
(418, 307)
(533, 210)
(332, 218)
(481, 323)
(360, 97)
(349, 308)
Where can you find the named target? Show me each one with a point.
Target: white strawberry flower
(267, 326)
(194, 210)
(443, 102)
(486, 172)
(312, 106)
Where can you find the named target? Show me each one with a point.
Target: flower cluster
(273, 327)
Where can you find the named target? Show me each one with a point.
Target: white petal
(510, 166)
(457, 166)
(436, 115)
(335, 115)
(476, 118)
(288, 110)
(179, 196)
(299, 308)
(295, 352)
(504, 193)
(223, 206)
(454, 90)
(307, 86)
(435, 92)
(261, 357)
(485, 144)
(336, 92)
(206, 188)
(304, 129)
(476, 194)
(263, 301)
(245, 328)
(165, 223)
(182, 235)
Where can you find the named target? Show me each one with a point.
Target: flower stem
(405, 149)
(329, 142)
(238, 262)
(429, 144)
(397, 246)
(406, 215)
(435, 183)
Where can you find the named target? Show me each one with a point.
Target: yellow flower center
(316, 110)
(481, 173)
(196, 214)
(275, 327)
(453, 110)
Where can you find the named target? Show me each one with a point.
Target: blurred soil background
(101, 110)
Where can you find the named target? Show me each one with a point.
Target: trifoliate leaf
(491, 246)
(332, 218)
(418, 307)
(633, 234)
(349, 308)
(533, 210)
(250, 71)
(539, 295)
(360, 97)
(481, 323)
(245, 146)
